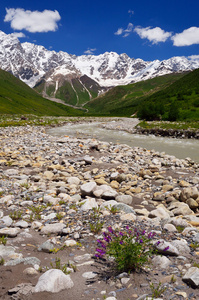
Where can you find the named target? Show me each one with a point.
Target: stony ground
(48, 189)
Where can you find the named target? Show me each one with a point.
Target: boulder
(53, 281)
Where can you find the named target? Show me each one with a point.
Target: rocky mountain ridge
(52, 70)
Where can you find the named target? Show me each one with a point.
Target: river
(180, 148)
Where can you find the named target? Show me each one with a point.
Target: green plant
(173, 279)
(59, 216)
(113, 209)
(130, 248)
(96, 226)
(180, 228)
(16, 215)
(61, 202)
(25, 185)
(2, 261)
(36, 211)
(158, 290)
(196, 265)
(59, 266)
(194, 245)
(3, 240)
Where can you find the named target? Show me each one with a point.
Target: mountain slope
(18, 98)
(179, 101)
(124, 100)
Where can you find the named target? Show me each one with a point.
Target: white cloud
(19, 34)
(188, 37)
(131, 12)
(119, 31)
(32, 21)
(194, 57)
(90, 51)
(154, 35)
(125, 32)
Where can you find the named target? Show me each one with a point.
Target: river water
(180, 148)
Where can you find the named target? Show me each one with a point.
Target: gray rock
(27, 261)
(181, 245)
(88, 160)
(191, 277)
(126, 199)
(7, 200)
(53, 281)
(11, 172)
(89, 275)
(124, 207)
(47, 246)
(7, 221)
(161, 262)
(88, 188)
(21, 224)
(53, 228)
(10, 232)
(109, 195)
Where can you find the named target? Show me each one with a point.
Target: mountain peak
(31, 62)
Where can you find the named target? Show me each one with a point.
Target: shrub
(130, 248)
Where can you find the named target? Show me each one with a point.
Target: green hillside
(179, 101)
(76, 91)
(18, 98)
(124, 100)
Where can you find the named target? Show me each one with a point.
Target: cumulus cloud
(90, 51)
(125, 32)
(188, 37)
(19, 34)
(154, 35)
(32, 21)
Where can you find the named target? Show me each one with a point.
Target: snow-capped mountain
(33, 63)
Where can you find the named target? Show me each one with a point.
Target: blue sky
(157, 29)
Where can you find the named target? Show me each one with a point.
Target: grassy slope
(124, 100)
(184, 93)
(18, 98)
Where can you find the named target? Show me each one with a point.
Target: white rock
(89, 275)
(73, 180)
(10, 232)
(166, 248)
(88, 188)
(88, 203)
(70, 243)
(161, 261)
(7, 200)
(159, 212)
(192, 277)
(53, 281)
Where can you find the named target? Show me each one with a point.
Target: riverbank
(48, 187)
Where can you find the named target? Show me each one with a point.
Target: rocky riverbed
(48, 189)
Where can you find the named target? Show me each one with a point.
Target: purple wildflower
(110, 229)
(121, 242)
(121, 233)
(143, 232)
(141, 241)
(127, 227)
(158, 243)
(101, 252)
(165, 249)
